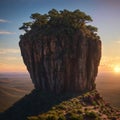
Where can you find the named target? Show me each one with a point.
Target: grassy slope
(88, 106)
(46, 106)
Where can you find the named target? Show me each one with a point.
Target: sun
(117, 69)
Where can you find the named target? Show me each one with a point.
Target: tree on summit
(26, 26)
(63, 20)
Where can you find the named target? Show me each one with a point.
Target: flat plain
(108, 85)
(12, 88)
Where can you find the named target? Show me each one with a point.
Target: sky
(105, 15)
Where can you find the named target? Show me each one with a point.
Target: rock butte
(61, 52)
(62, 64)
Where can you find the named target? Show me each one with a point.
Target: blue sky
(13, 13)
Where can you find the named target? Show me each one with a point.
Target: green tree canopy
(64, 20)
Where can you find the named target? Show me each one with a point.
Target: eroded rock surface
(62, 63)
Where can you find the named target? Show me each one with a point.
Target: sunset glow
(117, 69)
(13, 68)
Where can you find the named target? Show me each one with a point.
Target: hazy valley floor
(108, 85)
(15, 86)
(12, 88)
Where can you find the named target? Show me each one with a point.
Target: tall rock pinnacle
(61, 61)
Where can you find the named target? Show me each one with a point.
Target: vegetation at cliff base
(58, 22)
(68, 106)
(88, 106)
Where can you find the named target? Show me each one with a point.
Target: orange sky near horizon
(15, 64)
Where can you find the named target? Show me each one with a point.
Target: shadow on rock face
(33, 104)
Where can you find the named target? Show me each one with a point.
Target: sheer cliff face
(62, 63)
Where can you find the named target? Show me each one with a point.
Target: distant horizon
(26, 72)
(100, 75)
(14, 72)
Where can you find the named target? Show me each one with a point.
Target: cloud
(6, 32)
(3, 21)
(9, 51)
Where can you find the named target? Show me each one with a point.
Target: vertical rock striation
(62, 63)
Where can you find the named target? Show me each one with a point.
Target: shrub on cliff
(92, 116)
